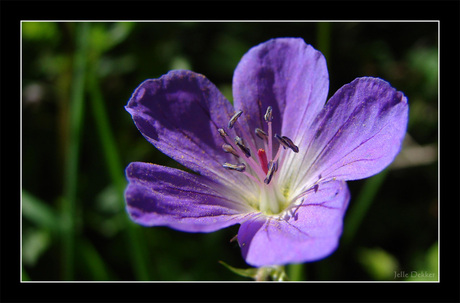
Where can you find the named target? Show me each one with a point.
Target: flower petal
(358, 133)
(288, 75)
(179, 114)
(310, 234)
(163, 196)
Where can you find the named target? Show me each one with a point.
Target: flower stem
(296, 272)
(271, 273)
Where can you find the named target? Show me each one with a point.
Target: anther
(261, 134)
(239, 167)
(268, 115)
(229, 149)
(287, 143)
(240, 144)
(234, 118)
(222, 133)
(272, 167)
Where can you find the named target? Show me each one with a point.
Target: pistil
(263, 160)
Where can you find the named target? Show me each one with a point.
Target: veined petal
(163, 196)
(358, 133)
(310, 234)
(179, 114)
(288, 75)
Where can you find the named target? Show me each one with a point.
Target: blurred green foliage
(395, 230)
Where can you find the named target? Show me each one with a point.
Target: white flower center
(262, 169)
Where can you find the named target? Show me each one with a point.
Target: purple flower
(276, 162)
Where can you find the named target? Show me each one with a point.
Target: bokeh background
(77, 140)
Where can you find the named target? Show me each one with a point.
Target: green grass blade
(361, 205)
(138, 250)
(25, 275)
(323, 34)
(71, 174)
(106, 137)
(93, 261)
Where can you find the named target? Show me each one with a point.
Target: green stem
(137, 249)
(71, 175)
(94, 262)
(106, 137)
(324, 38)
(296, 272)
(361, 205)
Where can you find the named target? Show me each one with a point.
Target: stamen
(268, 118)
(261, 134)
(239, 167)
(234, 238)
(263, 160)
(229, 149)
(291, 144)
(268, 115)
(240, 144)
(302, 195)
(234, 118)
(264, 166)
(222, 133)
(272, 167)
(287, 143)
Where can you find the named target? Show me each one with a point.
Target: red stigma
(263, 159)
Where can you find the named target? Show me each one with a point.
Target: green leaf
(39, 213)
(244, 272)
(432, 258)
(34, 243)
(378, 263)
(269, 273)
(424, 62)
(105, 36)
(427, 269)
(40, 31)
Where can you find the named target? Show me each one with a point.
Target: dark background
(392, 221)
